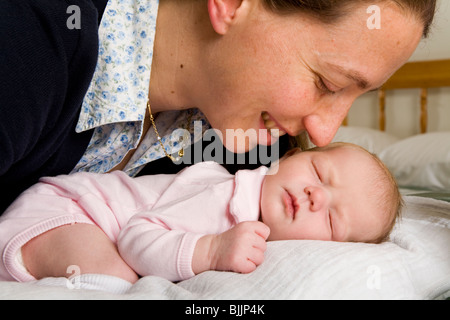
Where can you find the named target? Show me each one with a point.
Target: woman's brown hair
(330, 11)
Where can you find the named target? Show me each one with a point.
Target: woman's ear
(222, 13)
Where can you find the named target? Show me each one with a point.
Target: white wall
(437, 46)
(403, 106)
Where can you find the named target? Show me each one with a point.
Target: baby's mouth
(290, 204)
(271, 125)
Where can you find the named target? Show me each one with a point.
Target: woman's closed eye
(325, 86)
(320, 83)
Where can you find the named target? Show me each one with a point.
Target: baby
(177, 226)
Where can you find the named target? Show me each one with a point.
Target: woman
(285, 66)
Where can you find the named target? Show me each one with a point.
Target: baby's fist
(241, 249)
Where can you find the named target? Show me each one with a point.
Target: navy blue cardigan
(45, 70)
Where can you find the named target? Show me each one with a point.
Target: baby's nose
(318, 198)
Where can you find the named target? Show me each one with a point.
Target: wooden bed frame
(422, 75)
(415, 75)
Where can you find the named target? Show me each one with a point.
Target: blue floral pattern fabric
(116, 102)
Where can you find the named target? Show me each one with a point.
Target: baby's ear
(273, 170)
(276, 164)
(291, 153)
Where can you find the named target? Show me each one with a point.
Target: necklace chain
(181, 152)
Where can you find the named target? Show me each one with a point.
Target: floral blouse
(116, 101)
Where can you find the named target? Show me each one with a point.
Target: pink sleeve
(161, 241)
(151, 248)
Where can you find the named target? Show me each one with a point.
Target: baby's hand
(240, 249)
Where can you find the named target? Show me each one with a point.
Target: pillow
(373, 140)
(421, 161)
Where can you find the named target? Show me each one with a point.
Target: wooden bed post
(424, 110)
(414, 75)
(345, 122)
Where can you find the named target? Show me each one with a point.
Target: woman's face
(293, 73)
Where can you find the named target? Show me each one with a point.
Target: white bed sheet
(414, 264)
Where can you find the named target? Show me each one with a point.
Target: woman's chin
(239, 141)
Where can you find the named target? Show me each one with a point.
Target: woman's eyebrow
(353, 75)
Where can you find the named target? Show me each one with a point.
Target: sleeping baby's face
(329, 194)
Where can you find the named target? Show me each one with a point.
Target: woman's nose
(322, 127)
(318, 198)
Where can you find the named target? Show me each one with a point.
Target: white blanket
(414, 264)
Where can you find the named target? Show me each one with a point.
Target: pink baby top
(155, 221)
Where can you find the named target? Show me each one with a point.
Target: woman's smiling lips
(271, 125)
